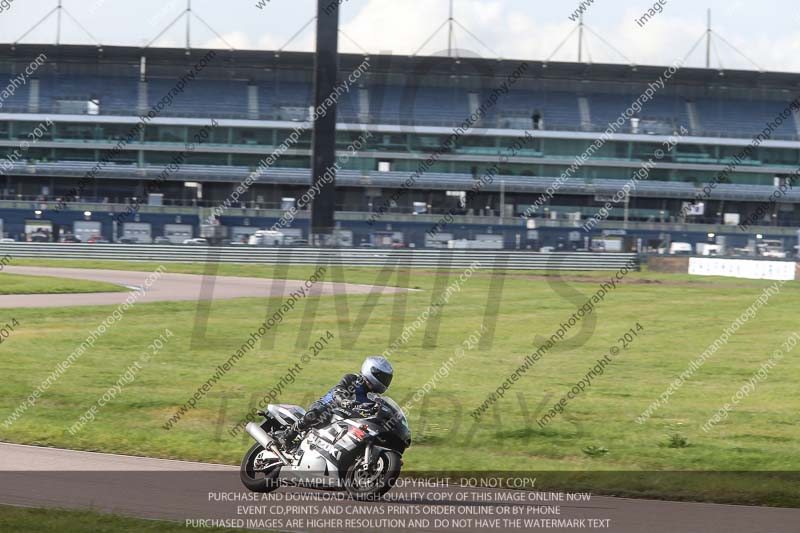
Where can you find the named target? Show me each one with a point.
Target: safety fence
(366, 257)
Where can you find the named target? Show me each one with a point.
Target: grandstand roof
(253, 64)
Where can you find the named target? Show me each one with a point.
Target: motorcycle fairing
(286, 414)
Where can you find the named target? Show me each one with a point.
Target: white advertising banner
(742, 268)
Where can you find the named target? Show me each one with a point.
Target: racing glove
(347, 404)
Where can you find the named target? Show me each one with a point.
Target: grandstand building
(99, 141)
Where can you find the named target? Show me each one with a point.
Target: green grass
(21, 284)
(681, 316)
(65, 521)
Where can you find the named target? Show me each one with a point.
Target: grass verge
(680, 316)
(22, 284)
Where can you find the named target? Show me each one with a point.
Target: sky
(766, 32)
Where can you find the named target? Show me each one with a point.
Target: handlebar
(359, 410)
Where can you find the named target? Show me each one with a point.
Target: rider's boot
(288, 437)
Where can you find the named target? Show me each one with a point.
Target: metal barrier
(368, 257)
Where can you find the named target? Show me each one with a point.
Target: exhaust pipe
(265, 440)
(259, 435)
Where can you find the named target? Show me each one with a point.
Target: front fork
(367, 457)
(371, 454)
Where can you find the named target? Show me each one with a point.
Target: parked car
(7, 240)
(771, 248)
(127, 240)
(162, 240)
(199, 241)
(97, 239)
(69, 237)
(266, 238)
(680, 248)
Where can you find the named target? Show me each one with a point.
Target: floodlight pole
(580, 40)
(708, 39)
(323, 140)
(188, 24)
(58, 23)
(188, 14)
(450, 32)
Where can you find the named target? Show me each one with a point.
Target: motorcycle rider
(351, 391)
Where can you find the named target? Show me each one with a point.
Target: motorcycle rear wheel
(372, 484)
(258, 481)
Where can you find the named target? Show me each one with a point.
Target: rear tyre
(258, 480)
(371, 484)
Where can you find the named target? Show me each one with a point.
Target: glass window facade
(470, 154)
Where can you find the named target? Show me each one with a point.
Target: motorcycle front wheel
(258, 480)
(375, 481)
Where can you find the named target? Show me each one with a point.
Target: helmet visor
(384, 377)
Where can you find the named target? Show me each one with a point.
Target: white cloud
(518, 29)
(398, 27)
(237, 39)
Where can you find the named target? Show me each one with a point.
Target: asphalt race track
(168, 287)
(180, 490)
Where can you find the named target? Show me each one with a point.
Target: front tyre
(375, 481)
(258, 480)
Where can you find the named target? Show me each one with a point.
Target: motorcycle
(360, 450)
